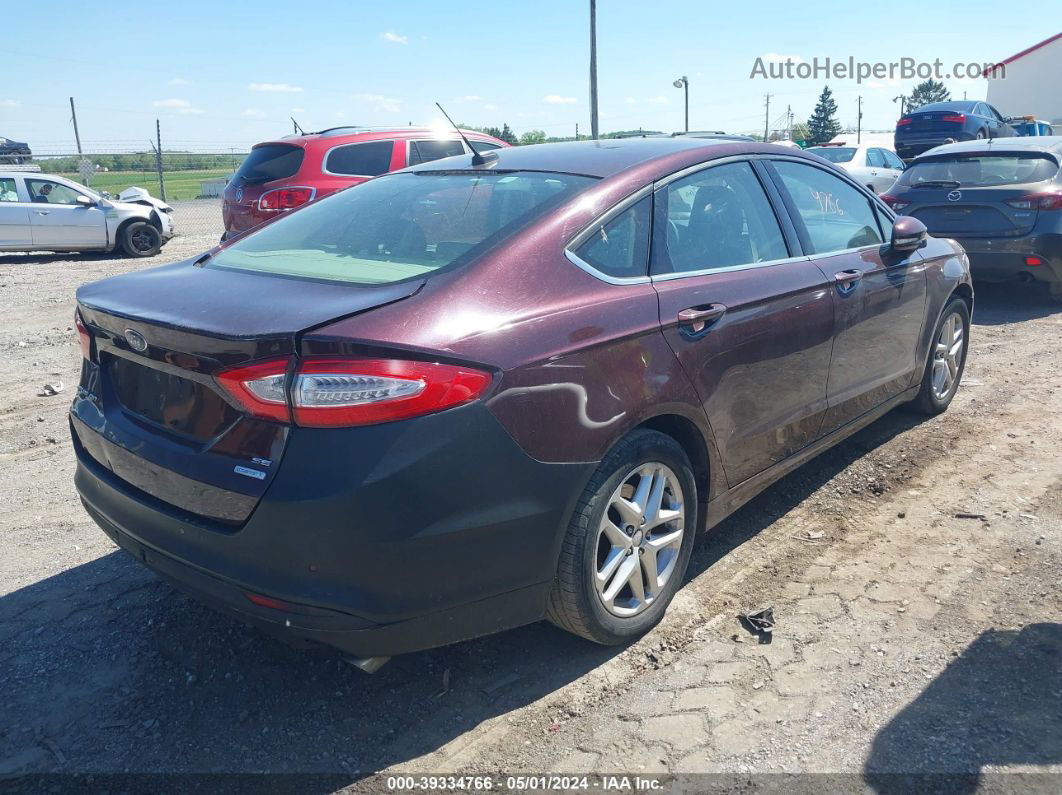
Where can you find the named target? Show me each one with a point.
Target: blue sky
(223, 75)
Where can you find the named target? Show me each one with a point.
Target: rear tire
(980, 135)
(628, 543)
(141, 239)
(940, 380)
(1054, 290)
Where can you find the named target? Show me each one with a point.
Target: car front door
(749, 317)
(57, 219)
(14, 217)
(879, 297)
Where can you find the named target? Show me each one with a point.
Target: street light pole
(593, 69)
(683, 82)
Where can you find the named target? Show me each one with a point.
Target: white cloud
(298, 110)
(252, 112)
(773, 57)
(179, 81)
(340, 114)
(631, 101)
(381, 103)
(182, 106)
(488, 106)
(394, 38)
(874, 84)
(470, 98)
(275, 88)
(557, 99)
(10, 103)
(659, 99)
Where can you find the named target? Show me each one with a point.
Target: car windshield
(979, 170)
(400, 226)
(835, 154)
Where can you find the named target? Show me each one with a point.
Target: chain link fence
(191, 182)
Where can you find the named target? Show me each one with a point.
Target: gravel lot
(910, 638)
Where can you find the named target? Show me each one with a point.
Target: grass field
(179, 184)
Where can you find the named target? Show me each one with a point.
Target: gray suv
(1001, 199)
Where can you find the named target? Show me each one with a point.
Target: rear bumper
(379, 541)
(912, 147)
(1003, 259)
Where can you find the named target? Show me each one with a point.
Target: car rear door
(879, 299)
(58, 220)
(750, 318)
(15, 230)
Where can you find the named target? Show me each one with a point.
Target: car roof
(336, 135)
(604, 157)
(958, 104)
(1051, 144)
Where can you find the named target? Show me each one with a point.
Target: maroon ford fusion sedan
(470, 395)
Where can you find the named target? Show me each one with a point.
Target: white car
(873, 165)
(41, 212)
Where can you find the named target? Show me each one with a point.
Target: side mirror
(84, 201)
(908, 234)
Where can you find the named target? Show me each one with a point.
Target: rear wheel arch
(696, 446)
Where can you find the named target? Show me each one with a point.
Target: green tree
(925, 93)
(506, 134)
(823, 124)
(800, 131)
(532, 137)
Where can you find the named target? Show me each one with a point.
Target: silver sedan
(42, 212)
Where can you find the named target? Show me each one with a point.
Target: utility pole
(158, 159)
(593, 69)
(577, 131)
(73, 116)
(789, 125)
(766, 117)
(859, 118)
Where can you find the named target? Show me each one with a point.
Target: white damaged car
(41, 212)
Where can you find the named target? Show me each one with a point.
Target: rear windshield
(978, 171)
(400, 226)
(835, 154)
(270, 162)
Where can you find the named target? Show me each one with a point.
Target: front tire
(141, 239)
(628, 543)
(947, 359)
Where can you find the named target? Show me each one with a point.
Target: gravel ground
(910, 638)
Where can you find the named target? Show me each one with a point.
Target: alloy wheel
(639, 539)
(142, 240)
(947, 356)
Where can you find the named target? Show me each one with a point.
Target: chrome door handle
(697, 318)
(847, 279)
(42, 212)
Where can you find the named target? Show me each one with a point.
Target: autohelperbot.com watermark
(792, 67)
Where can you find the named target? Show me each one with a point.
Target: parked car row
(480, 392)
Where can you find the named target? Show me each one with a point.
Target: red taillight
(958, 118)
(84, 338)
(904, 121)
(345, 392)
(893, 202)
(285, 198)
(1033, 260)
(341, 392)
(260, 388)
(1038, 201)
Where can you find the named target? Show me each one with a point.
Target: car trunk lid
(971, 212)
(933, 122)
(149, 407)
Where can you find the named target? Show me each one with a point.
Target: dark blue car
(948, 122)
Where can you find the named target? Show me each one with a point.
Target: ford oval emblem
(955, 195)
(239, 194)
(136, 340)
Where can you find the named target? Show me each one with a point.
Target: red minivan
(281, 175)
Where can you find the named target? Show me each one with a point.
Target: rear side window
(620, 248)
(892, 160)
(717, 218)
(7, 190)
(270, 162)
(369, 159)
(426, 151)
(875, 159)
(979, 171)
(835, 215)
(484, 146)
